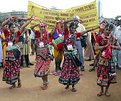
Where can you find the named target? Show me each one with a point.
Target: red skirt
(42, 64)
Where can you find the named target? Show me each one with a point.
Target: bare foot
(107, 94)
(13, 86)
(67, 87)
(19, 85)
(73, 90)
(44, 87)
(100, 94)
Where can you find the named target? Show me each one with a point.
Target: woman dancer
(11, 72)
(42, 54)
(70, 74)
(106, 73)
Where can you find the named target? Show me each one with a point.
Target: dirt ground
(30, 91)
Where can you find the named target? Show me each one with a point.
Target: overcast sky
(110, 8)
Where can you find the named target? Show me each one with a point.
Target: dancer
(106, 73)
(97, 52)
(70, 74)
(11, 72)
(42, 54)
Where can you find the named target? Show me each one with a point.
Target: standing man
(32, 36)
(118, 52)
(80, 28)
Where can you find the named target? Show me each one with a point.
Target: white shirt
(118, 34)
(80, 28)
(32, 35)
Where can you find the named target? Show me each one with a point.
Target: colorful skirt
(42, 64)
(11, 71)
(70, 73)
(106, 72)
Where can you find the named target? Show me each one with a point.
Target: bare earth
(30, 91)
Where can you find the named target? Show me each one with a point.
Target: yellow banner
(87, 13)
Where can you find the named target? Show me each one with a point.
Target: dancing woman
(106, 73)
(42, 54)
(11, 72)
(70, 74)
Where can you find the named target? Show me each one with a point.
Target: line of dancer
(65, 38)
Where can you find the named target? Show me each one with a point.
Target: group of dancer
(64, 39)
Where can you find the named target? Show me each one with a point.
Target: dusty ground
(31, 91)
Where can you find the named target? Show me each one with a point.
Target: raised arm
(70, 20)
(67, 21)
(24, 25)
(8, 20)
(88, 30)
(33, 26)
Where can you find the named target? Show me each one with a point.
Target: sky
(109, 8)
